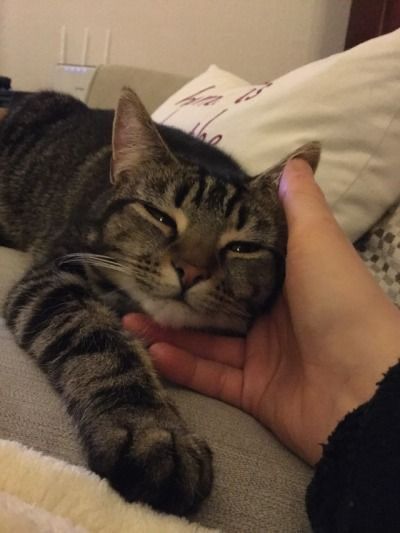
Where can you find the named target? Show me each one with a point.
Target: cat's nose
(189, 274)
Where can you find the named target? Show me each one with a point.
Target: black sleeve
(356, 485)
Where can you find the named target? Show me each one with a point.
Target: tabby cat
(121, 214)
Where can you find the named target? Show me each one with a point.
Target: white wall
(256, 39)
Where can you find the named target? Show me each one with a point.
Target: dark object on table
(6, 92)
(5, 83)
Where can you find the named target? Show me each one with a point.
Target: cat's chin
(178, 314)
(172, 313)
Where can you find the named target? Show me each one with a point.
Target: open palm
(253, 373)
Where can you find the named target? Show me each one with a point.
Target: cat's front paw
(155, 461)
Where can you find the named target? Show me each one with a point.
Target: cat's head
(194, 250)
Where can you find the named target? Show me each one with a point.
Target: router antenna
(63, 41)
(85, 46)
(106, 55)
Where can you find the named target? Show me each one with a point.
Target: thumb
(325, 277)
(302, 198)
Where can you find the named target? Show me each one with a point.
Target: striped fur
(133, 435)
(179, 232)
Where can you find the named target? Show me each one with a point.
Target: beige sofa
(259, 485)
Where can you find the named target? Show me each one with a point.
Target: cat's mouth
(181, 298)
(182, 301)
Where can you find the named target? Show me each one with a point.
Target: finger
(324, 272)
(145, 328)
(211, 378)
(226, 350)
(302, 198)
(312, 226)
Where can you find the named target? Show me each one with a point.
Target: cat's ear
(135, 138)
(310, 152)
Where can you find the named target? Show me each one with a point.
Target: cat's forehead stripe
(200, 190)
(242, 217)
(181, 192)
(232, 201)
(216, 193)
(203, 172)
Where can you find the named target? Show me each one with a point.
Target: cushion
(349, 101)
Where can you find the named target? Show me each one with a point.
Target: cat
(121, 214)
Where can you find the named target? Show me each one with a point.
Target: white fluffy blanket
(40, 494)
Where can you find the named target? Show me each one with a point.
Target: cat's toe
(171, 470)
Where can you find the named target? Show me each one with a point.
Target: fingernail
(298, 164)
(158, 349)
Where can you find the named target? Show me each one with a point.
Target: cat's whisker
(98, 260)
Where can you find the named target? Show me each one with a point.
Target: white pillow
(349, 101)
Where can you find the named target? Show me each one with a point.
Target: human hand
(317, 355)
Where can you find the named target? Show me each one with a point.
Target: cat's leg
(133, 435)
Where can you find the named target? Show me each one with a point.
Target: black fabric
(356, 485)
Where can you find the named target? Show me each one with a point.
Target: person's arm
(356, 485)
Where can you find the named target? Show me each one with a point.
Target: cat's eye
(161, 217)
(243, 247)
